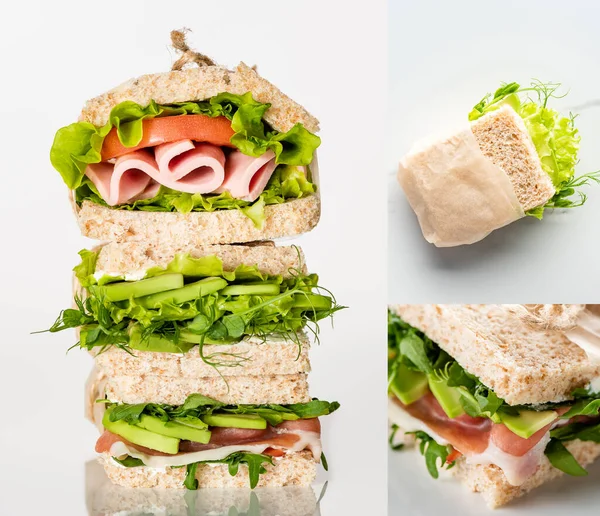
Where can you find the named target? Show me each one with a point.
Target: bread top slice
(520, 363)
(504, 139)
(202, 83)
(131, 258)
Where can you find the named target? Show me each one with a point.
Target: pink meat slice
(246, 176)
(188, 167)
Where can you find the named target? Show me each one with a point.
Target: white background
(329, 56)
(444, 57)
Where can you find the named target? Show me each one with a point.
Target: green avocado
(140, 436)
(408, 385)
(175, 429)
(448, 397)
(528, 422)
(235, 421)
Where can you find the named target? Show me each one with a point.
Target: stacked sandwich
(498, 394)
(514, 157)
(201, 350)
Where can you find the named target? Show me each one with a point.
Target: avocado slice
(528, 422)
(204, 287)
(448, 397)
(124, 290)
(175, 429)
(235, 421)
(408, 385)
(137, 435)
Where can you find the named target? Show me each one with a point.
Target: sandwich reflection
(105, 499)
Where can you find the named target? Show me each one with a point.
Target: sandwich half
(205, 155)
(505, 404)
(217, 303)
(515, 157)
(202, 439)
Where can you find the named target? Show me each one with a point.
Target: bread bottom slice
(493, 486)
(218, 227)
(279, 389)
(294, 469)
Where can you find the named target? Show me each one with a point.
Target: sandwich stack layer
(496, 391)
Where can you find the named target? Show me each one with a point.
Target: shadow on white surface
(413, 492)
(105, 499)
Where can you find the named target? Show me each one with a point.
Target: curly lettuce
(79, 144)
(555, 137)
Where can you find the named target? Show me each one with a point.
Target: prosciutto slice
(282, 436)
(246, 176)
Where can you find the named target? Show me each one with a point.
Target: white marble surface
(444, 56)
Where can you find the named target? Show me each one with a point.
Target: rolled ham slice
(188, 167)
(183, 166)
(246, 176)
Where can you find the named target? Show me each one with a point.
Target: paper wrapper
(458, 194)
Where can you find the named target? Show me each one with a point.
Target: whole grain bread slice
(201, 83)
(135, 257)
(492, 484)
(504, 139)
(256, 356)
(103, 498)
(520, 363)
(281, 389)
(288, 219)
(293, 469)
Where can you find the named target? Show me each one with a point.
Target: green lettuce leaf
(555, 138)
(433, 452)
(80, 144)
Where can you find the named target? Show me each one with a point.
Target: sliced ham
(188, 167)
(184, 166)
(280, 437)
(245, 176)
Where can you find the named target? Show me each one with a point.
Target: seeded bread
(492, 484)
(202, 83)
(504, 139)
(103, 498)
(257, 390)
(274, 356)
(105, 224)
(134, 257)
(521, 364)
(294, 469)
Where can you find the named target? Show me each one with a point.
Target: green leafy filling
(555, 138)
(413, 349)
(197, 405)
(217, 318)
(79, 144)
(433, 452)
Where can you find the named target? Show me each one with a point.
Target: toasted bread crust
(218, 227)
(294, 469)
(492, 484)
(132, 258)
(504, 139)
(200, 84)
(279, 389)
(274, 356)
(523, 365)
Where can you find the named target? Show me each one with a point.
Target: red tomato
(199, 128)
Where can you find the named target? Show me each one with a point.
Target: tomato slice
(156, 131)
